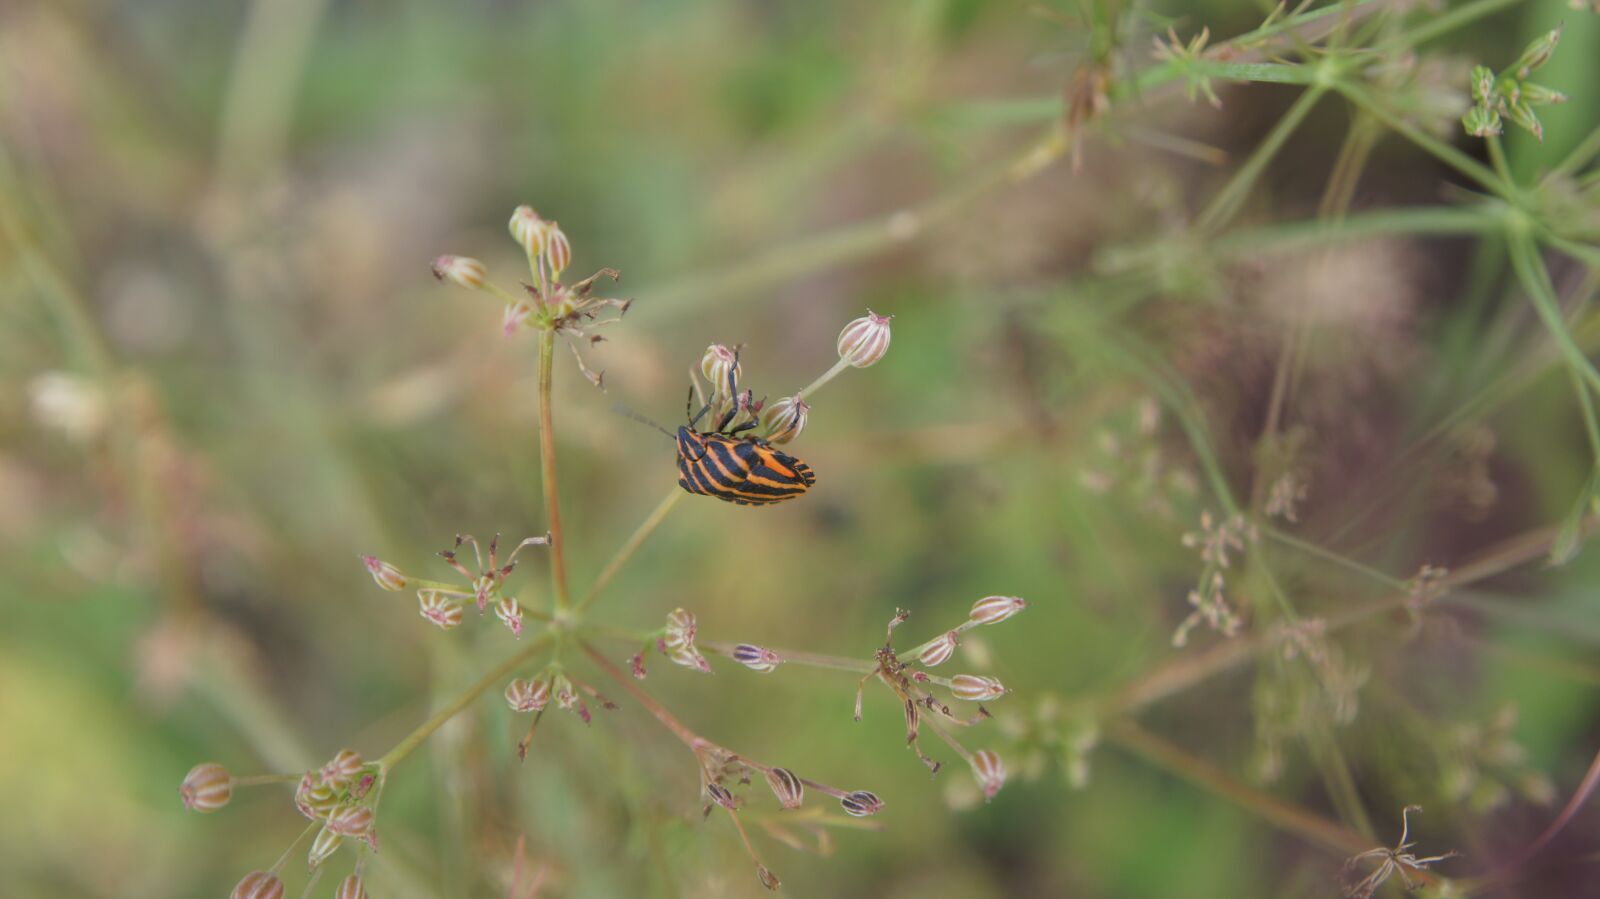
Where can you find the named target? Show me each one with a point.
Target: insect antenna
(626, 412)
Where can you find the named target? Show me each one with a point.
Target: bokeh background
(225, 372)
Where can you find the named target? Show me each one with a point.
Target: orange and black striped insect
(744, 470)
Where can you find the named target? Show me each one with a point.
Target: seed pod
(995, 609)
(768, 879)
(462, 271)
(865, 340)
(722, 796)
(528, 230)
(510, 614)
(788, 788)
(446, 613)
(557, 250)
(785, 418)
(352, 821)
(385, 575)
(861, 803)
(939, 651)
(1538, 53)
(756, 658)
(990, 772)
(327, 843)
(720, 366)
(314, 799)
(528, 696)
(339, 770)
(259, 885)
(350, 888)
(206, 788)
(976, 688)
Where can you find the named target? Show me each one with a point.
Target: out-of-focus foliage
(225, 374)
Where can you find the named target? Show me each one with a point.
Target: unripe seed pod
(350, 888)
(528, 230)
(939, 651)
(528, 696)
(351, 821)
(720, 366)
(510, 614)
(327, 843)
(444, 612)
(462, 271)
(314, 799)
(339, 770)
(259, 885)
(786, 418)
(861, 803)
(788, 788)
(768, 879)
(557, 250)
(206, 788)
(385, 575)
(995, 609)
(756, 658)
(976, 688)
(865, 340)
(990, 772)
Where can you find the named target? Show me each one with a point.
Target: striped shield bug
(746, 470)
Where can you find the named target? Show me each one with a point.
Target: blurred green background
(225, 373)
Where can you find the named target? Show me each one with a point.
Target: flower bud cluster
(1510, 95)
(335, 795)
(677, 642)
(441, 603)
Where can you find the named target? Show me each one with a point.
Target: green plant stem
(694, 741)
(547, 466)
(1446, 153)
(1535, 280)
(283, 859)
(1226, 203)
(1313, 549)
(1580, 156)
(809, 659)
(1466, 14)
(256, 780)
(425, 730)
(644, 530)
(1214, 780)
(824, 378)
(1497, 158)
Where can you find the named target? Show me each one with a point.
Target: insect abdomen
(739, 471)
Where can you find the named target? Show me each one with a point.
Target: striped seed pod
(528, 230)
(976, 688)
(351, 888)
(995, 609)
(206, 788)
(722, 796)
(788, 788)
(720, 366)
(352, 821)
(259, 885)
(756, 658)
(327, 843)
(785, 418)
(557, 250)
(340, 769)
(462, 271)
(938, 651)
(990, 772)
(861, 803)
(865, 340)
(385, 575)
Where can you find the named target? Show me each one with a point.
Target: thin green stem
(1227, 202)
(425, 730)
(1497, 158)
(1580, 156)
(694, 741)
(644, 530)
(825, 377)
(547, 466)
(256, 780)
(284, 858)
(1535, 280)
(1446, 153)
(1327, 555)
(1466, 14)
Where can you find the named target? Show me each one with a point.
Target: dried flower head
(722, 796)
(509, 613)
(446, 613)
(259, 885)
(787, 787)
(206, 788)
(528, 695)
(989, 771)
(677, 642)
(1395, 860)
(865, 340)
